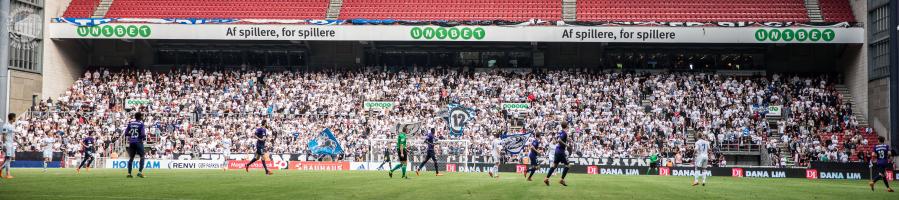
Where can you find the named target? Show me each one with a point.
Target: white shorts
(496, 157)
(701, 161)
(48, 154)
(10, 151)
(226, 154)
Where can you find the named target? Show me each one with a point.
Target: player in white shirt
(701, 151)
(9, 148)
(497, 146)
(48, 142)
(226, 151)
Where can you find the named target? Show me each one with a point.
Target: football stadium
(449, 99)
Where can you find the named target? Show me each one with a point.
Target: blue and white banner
(514, 143)
(325, 144)
(83, 21)
(457, 117)
(202, 21)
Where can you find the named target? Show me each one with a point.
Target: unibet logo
(114, 30)
(801, 35)
(443, 33)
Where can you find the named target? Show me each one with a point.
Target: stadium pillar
(4, 57)
(894, 72)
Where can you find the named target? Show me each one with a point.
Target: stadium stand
(81, 8)
(191, 109)
(232, 9)
(693, 10)
(458, 10)
(836, 11)
(476, 10)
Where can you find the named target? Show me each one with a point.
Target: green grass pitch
(215, 184)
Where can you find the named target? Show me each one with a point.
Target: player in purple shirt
(136, 135)
(560, 155)
(260, 148)
(87, 147)
(534, 151)
(431, 156)
(882, 154)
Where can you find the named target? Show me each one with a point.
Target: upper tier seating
(81, 8)
(693, 10)
(836, 11)
(458, 10)
(237, 9)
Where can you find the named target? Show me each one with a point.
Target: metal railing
(740, 147)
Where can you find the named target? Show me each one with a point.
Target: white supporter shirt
(497, 147)
(226, 145)
(48, 144)
(702, 148)
(8, 133)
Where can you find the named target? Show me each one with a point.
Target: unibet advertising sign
(797, 35)
(132, 103)
(444, 33)
(623, 34)
(515, 106)
(386, 105)
(119, 31)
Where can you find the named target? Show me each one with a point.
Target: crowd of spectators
(613, 114)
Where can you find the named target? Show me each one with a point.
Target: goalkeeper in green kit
(401, 153)
(653, 162)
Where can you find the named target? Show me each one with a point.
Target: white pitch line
(105, 197)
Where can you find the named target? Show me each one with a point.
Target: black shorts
(533, 159)
(404, 157)
(881, 169)
(430, 154)
(560, 157)
(653, 164)
(135, 149)
(88, 153)
(260, 149)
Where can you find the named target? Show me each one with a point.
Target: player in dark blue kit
(534, 151)
(560, 155)
(136, 135)
(431, 156)
(87, 146)
(882, 154)
(260, 149)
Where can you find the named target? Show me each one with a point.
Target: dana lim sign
(626, 34)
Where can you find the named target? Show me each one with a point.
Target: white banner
(132, 103)
(167, 164)
(854, 35)
(774, 110)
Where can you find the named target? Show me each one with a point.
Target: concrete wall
(871, 97)
(63, 60)
(854, 64)
(879, 106)
(22, 86)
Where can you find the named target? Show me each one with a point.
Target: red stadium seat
(81, 8)
(836, 11)
(513, 10)
(280, 9)
(692, 10)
